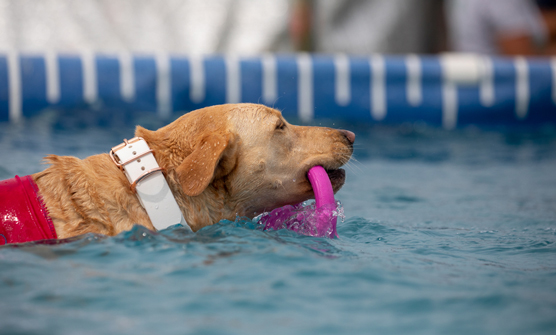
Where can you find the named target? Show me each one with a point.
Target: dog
(220, 162)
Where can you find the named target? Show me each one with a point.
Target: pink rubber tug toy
(321, 222)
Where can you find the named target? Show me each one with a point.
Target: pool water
(446, 232)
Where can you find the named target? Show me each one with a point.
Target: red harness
(23, 215)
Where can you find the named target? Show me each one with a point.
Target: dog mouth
(337, 178)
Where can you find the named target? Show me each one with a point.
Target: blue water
(445, 233)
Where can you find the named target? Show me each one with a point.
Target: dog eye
(280, 126)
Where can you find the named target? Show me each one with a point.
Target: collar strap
(136, 160)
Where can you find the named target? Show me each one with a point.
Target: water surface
(445, 233)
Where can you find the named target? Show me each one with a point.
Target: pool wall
(446, 90)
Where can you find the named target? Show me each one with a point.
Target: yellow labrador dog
(219, 162)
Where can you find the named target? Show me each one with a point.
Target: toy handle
(322, 187)
(324, 198)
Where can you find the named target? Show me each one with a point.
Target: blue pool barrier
(446, 90)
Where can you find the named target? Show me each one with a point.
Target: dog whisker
(355, 164)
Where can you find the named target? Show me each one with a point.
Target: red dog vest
(23, 215)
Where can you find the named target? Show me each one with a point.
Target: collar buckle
(137, 161)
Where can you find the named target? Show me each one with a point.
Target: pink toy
(324, 195)
(318, 221)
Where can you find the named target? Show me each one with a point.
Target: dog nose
(349, 135)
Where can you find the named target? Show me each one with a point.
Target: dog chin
(337, 178)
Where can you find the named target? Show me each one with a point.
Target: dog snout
(350, 136)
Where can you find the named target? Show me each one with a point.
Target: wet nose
(349, 135)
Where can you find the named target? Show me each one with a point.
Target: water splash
(305, 218)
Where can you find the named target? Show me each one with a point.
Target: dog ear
(199, 168)
(147, 135)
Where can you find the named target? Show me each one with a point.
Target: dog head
(243, 159)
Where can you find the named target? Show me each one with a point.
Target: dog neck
(137, 161)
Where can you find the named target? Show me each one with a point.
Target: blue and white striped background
(389, 89)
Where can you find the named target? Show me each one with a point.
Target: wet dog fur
(220, 162)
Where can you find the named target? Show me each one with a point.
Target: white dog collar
(136, 160)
